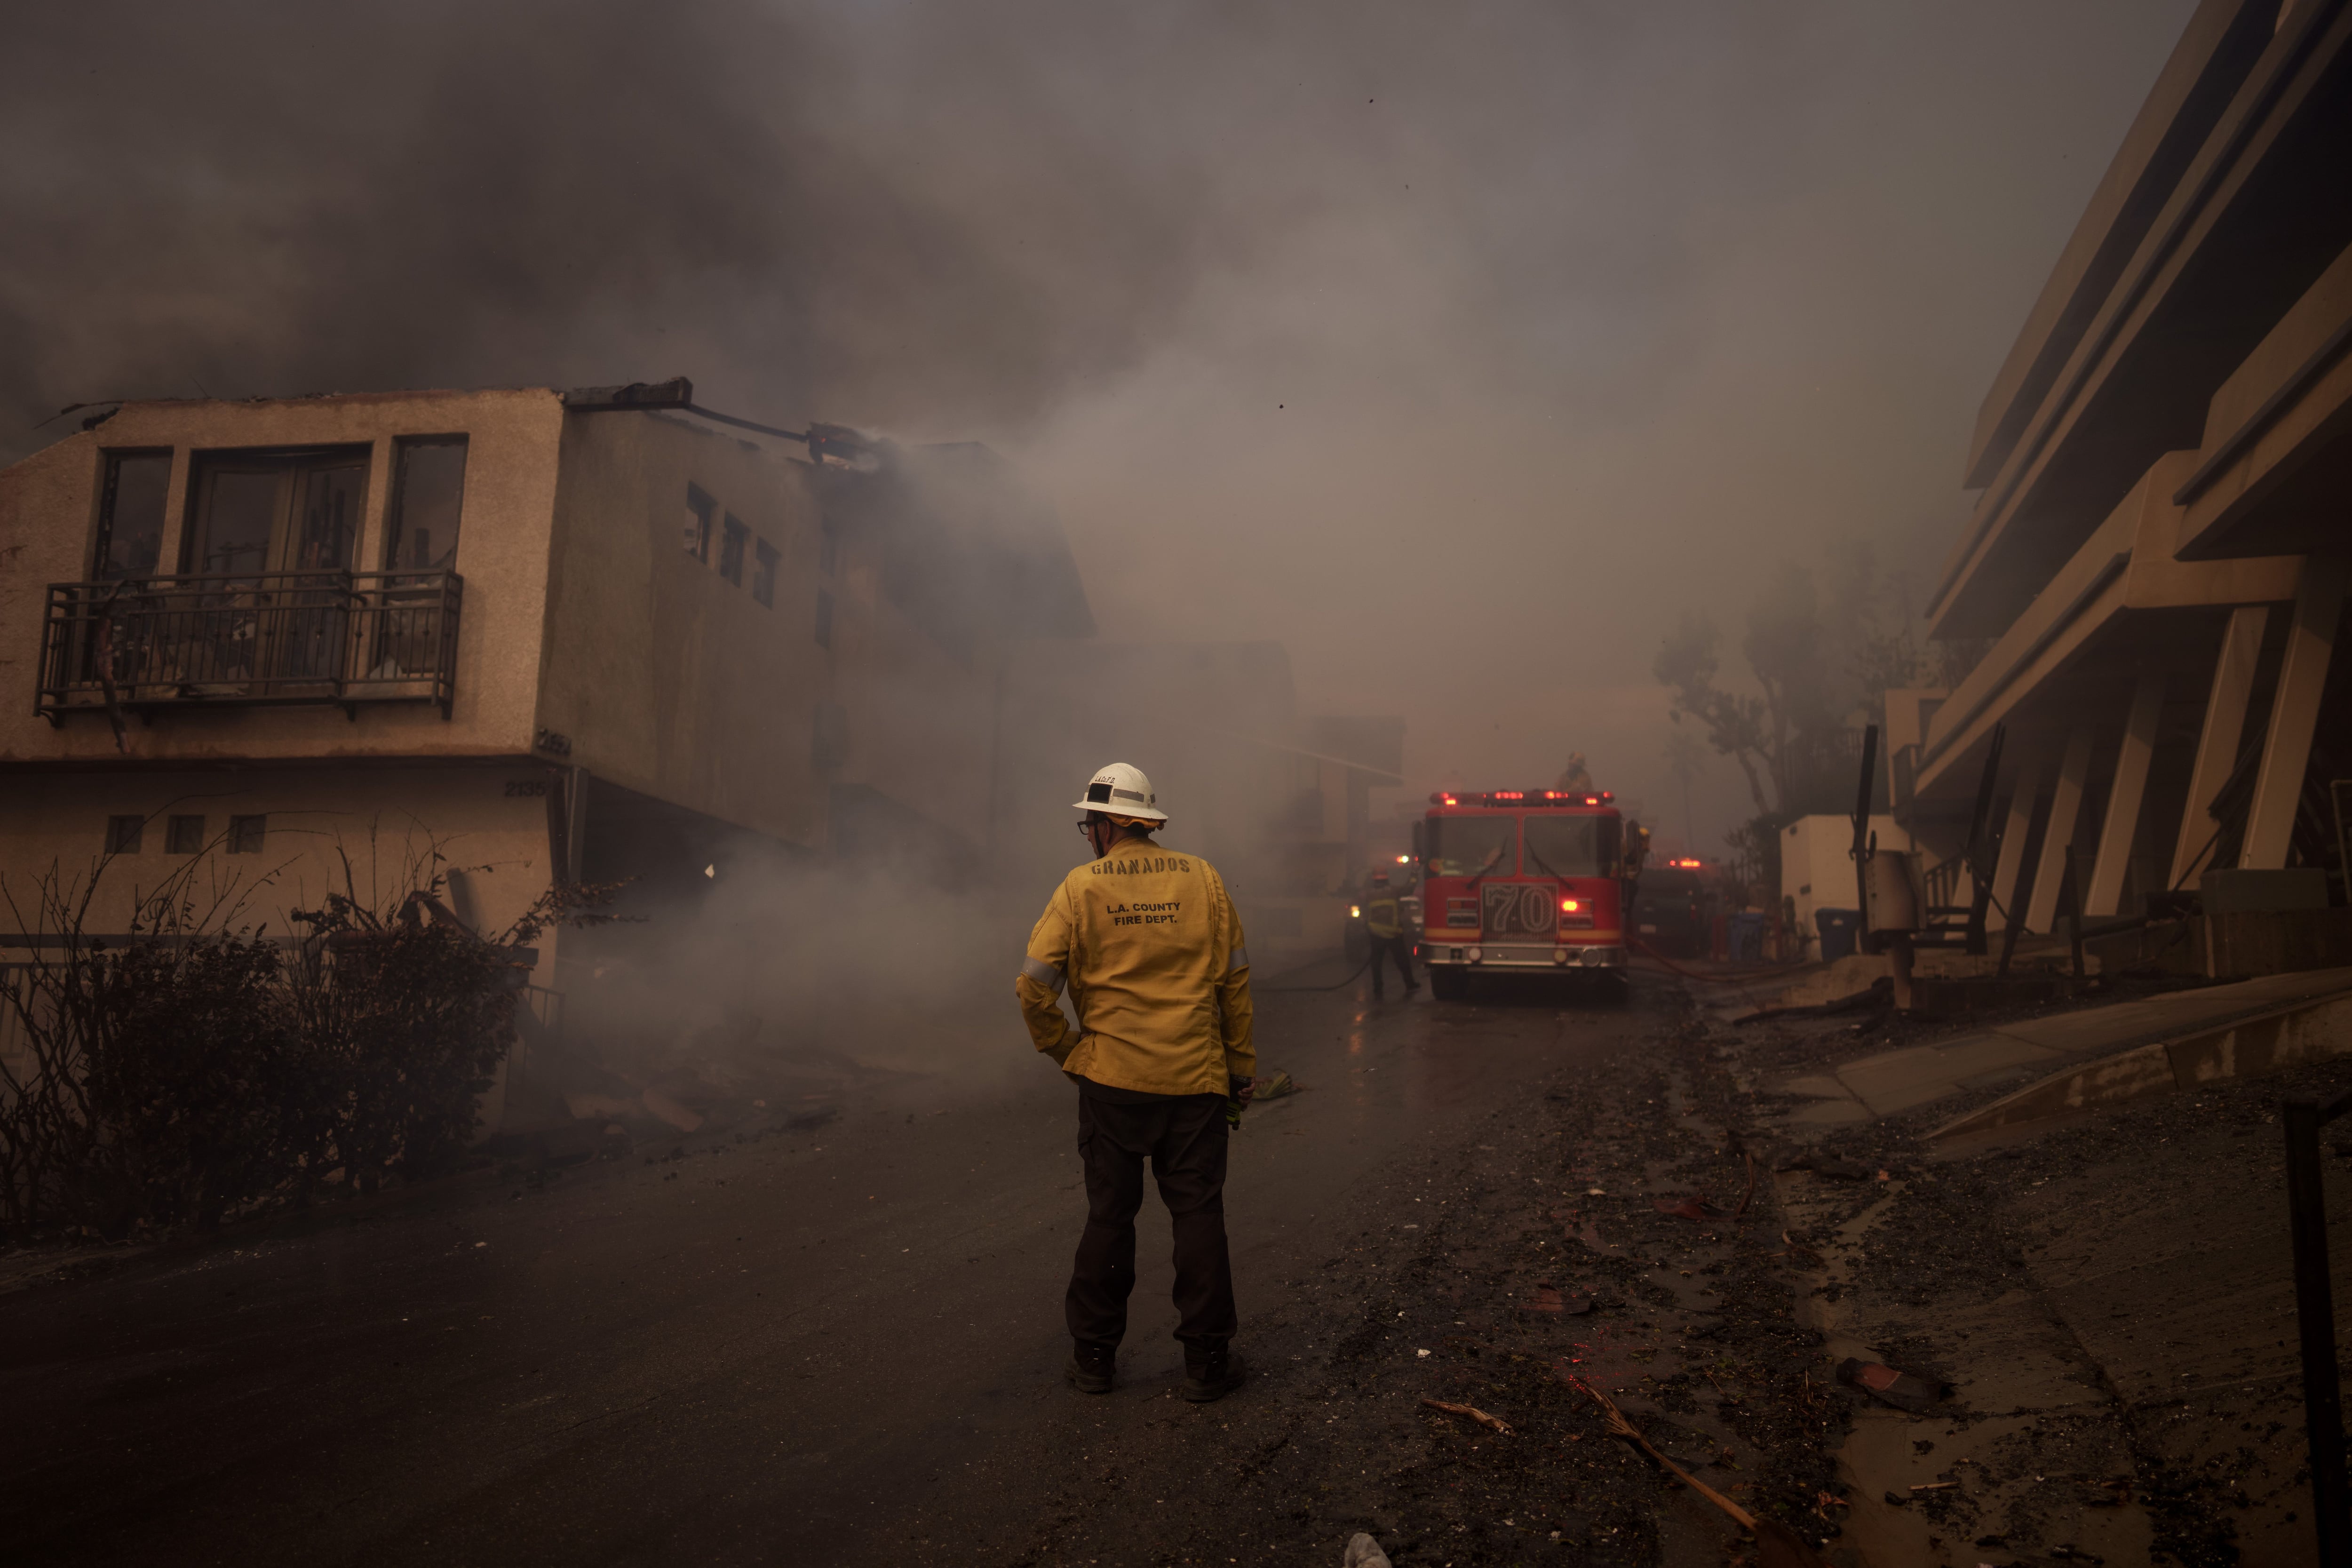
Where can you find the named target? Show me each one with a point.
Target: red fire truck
(1524, 881)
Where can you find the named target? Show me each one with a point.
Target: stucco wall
(664, 677)
(489, 821)
(48, 510)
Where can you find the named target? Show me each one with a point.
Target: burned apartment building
(2155, 566)
(602, 635)
(592, 636)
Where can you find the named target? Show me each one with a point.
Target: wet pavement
(837, 1345)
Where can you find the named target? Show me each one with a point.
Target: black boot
(1213, 1378)
(1091, 1368)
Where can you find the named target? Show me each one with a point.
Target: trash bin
(1838, 927)
(1745, 936)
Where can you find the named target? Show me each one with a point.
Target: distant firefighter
(1575, 778)
(1149, 944)
(1384, 923)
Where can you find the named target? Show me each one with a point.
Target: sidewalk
(2107, 1293)
(2149, 1044)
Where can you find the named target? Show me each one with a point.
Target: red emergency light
(1687, 864)
(1516, 796)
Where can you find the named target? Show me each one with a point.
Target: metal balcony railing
(259, 639)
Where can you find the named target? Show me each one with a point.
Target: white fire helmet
(1120, 790)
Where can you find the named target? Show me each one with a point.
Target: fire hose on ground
(1736, 977)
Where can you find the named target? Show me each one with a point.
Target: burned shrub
(140, 1084)
(210, 1068)
(186, 1079)
(406, 1023)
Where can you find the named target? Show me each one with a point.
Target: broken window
(700, 509)
(131, 519)
(823, 619)
(329, 524)
(124, 833)
(731, 550)
(428, 493)
(246, 834)
(184, 836)
(256, 512)
(763, 573)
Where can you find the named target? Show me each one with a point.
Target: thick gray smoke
(1458, 347)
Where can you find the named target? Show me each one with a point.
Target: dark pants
(1398, 947)
(1184, 1138)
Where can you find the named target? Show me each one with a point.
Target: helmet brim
(1141, 813)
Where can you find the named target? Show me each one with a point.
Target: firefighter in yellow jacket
(1147, 943)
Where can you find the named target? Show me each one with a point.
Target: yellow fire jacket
(1148, 942)
(1381, 918)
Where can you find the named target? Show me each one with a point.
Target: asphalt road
(837, 1347)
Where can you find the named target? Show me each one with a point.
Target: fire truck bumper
(1519, 956)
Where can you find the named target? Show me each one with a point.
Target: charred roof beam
(676, 395)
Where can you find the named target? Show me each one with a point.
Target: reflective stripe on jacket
(1147, 943)
(1380, 916)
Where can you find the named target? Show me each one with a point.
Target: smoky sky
(1458, 347)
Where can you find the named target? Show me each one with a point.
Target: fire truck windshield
(1571, 846)
(1472, 846)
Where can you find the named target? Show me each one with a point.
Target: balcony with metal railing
(277, 638)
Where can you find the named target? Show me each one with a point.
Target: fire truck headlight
(1355, 911)
(1570, 906)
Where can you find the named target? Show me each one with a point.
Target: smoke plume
(1461, 348)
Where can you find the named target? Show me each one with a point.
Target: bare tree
(1785, 655)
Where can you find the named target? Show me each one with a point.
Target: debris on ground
(1536, 1237)
(1275, 1086)
(1363, 1551)
(1693, 1207)
(1549, 1302)
(1835, 1169)
(1472, 1412)
(1799, 1252)
(1880, 994)
(1777, 1545)
(665, 1108)
(1892, 1386)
